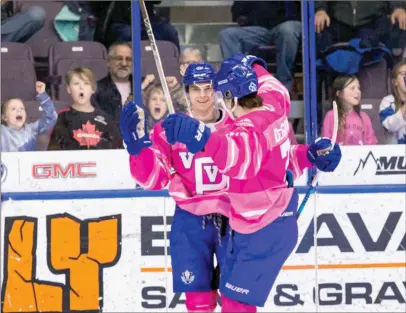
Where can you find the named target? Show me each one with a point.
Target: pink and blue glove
(325, 162)
(187, 130)
(134, 139)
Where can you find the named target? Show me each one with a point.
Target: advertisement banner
(10, 174)
(369, 165)
(75, 170)
(107, 255)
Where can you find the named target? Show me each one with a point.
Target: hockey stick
(312, 187)
(171, 110)
(157, 58)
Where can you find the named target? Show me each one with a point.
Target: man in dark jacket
(263, 22)
(340, 21)
(114, 89)
(114, 22)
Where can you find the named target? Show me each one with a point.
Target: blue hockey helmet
(198, 73)
(235, 80)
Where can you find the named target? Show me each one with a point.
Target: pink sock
(205, 301)
(232, 306)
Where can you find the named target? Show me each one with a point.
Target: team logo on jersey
(187, 277)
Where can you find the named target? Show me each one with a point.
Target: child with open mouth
(16, 134)
(155, 103)
(83, 126)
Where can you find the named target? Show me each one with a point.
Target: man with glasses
(114, 89)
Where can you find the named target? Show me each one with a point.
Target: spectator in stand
(354, 126)
(393, 107)
(175, 88)
(155, 104)
(261, 23)
(114, 22)
(16, 135)
(340, 21)
(82, 126)
(114, 89)
(21, 26)
(188, 56)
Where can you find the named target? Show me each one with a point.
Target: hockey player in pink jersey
(254, 153)
(200, 224)
(276, 98)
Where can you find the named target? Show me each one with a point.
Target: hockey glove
(248, 60)
(319, 155)
(132, 126)
(187, 130)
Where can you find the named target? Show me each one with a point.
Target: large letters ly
(80, 249)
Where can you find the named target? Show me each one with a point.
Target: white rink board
(369, 165)
(93, 170)
(59, 171)
(71, 171)
(372, 260)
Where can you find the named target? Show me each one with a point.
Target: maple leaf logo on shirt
(87, 135)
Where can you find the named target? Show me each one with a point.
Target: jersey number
(285, 148)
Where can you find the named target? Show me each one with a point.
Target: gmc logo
(57, 170)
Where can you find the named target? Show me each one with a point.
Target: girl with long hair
(355, 127)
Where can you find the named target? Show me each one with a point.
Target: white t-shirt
(125, 90)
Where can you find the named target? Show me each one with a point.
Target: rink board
(101, 248)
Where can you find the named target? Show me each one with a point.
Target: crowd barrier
(77, 235)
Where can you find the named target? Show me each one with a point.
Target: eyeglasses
(119, 58)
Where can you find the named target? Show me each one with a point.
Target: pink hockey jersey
(195, 182)
(276, 98)
(255, 152)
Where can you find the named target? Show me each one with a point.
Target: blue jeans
(22, 26)
(286, 36)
